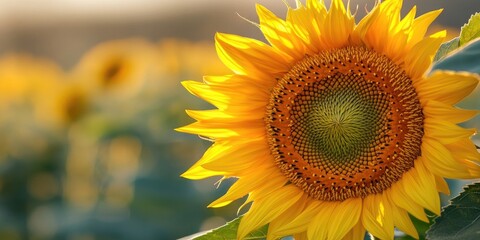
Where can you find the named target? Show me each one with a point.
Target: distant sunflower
(116, 67)
(335, 128)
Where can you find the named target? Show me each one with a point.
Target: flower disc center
(340, 121)
(344, 123)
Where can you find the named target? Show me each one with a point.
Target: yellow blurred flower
(115, 68)
(63, 103)
(22, 78)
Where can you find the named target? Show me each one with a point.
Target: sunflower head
(334, 128)
(115, 68)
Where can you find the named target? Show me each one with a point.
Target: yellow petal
(376, 29)
(345, 216)
(265, 210)
(445, 132)
(419, 185)
(286, 217)
(212, 133)
(377, 216)
(464, 150)
(420, 26)
(401, 219)
(246, 56)
(338, 25)
(215, 116)
(396, 46)
(266, 179)
(438, 110)
(446, 86)
(441, 162)
(215, 129)
(318, 226)
(357, 232)
(300, 223)
(237, 156)
(403, 200)
(198, 172)
(300, 236)
(442, 185)
(305, 22)
(279, 34)
(206, 93)
(420, 57)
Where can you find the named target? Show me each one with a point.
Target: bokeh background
(89, 96)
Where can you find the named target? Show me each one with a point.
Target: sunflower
(334, 128)
(116, 68)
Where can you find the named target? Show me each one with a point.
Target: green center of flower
(340, 120)
(344, 123)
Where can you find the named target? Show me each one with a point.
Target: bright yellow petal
(441, 162)
(264, 179)
(403, 200)
(305, 22)
(246, 56)
(442, 185)
(420, 57)
(419, 185)
(401, 219)
(345, 216)
(377, 216)
(318, 225)
(265, 210)
(376, 29)
(446, 132)
(224, 131)
(300, 223)
(286, 217)
(439, 110)
(300, 236)
(396, 46)
(197, 172)
(206, 92)
(357, 232)
(338, 25)
(279, 34)
(237, 156)
(420, 26)
(446, 86)
(464, 150)
(229, 82)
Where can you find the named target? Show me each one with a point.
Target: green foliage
(229, 232)
(470, 31)
(460, 219)
(464, 59)
(446, 48)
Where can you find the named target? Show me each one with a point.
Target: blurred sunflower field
(91, 153)
(89, 101)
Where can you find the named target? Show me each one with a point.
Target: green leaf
(460, 219)
(229, 232)
(470, 30)
(446, 48)
(464, 59)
